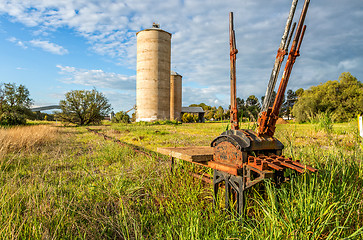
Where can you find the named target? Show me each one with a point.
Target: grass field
(67, 183)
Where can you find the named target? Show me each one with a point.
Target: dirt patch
(281, 121)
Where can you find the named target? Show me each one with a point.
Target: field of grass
(68, 183)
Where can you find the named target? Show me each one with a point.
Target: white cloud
(349, 64)
(209, 95)
(21, 68)
(200, 50)
(49, 47)
(18, 42)
(44, 45)
(96, 78)
(121, 99)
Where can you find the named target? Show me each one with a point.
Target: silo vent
(156, 25)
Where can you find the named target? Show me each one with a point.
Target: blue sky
(54, 46)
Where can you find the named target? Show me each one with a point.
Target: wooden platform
(200, 154)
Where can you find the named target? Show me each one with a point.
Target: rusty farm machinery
(242, 158)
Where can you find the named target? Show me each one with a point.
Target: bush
(121, 117)
(11, 118)
(189, 118)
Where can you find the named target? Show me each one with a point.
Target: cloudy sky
(54, 46)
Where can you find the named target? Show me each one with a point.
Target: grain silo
(153, 74)
(175, 96)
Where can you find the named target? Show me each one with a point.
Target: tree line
(342, 99)
(249, 109)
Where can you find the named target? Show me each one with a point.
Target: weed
(325, 121)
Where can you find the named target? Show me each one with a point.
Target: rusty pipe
(289, 40)
(279, 59)
(289, 64)
(233, 53)
(268, 118)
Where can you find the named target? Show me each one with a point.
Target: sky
(53, 46)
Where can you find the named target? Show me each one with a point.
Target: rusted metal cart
(242, 158)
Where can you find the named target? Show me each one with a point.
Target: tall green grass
(83, 187)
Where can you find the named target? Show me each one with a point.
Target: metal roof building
(194, 110)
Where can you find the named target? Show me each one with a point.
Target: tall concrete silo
(153, 74)
(175, 96)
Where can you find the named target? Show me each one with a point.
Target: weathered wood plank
(190, 154)
(223, 167)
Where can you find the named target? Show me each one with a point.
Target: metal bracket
(234, 187)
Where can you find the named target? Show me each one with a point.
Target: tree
(41, 116)
(227, 114)
(84, 107)
(253, 106)
(219, 113)
(14, 104)
(286, 108)
(240, 103)
(273, 96)
(291, 99)
(342, 99)
(133, 117)
(202, 105)
(209, 114)
(121, 117)
(299, 92)
(241, 107)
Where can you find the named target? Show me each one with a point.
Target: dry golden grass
(26, 138)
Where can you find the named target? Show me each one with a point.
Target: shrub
(121, 117)
(188, 118)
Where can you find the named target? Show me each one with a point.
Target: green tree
(240, 103)
(253, 107)
(343, 99)
(272, 97)
(241, 107)
(227, 114)
(84, 107)
(121, 117)
(14, 104)
(41, 116)
(219, 113)
(286, 108)
(299, 92)
(133, 117)
(202, 105)
(209, 114)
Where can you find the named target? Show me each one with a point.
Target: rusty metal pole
(281, 52)
(267, 120)
(233, 53)
(294, 53)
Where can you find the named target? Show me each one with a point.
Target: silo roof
(174, 73)
(154, 29)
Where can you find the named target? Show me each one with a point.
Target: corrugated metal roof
(192, 110)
